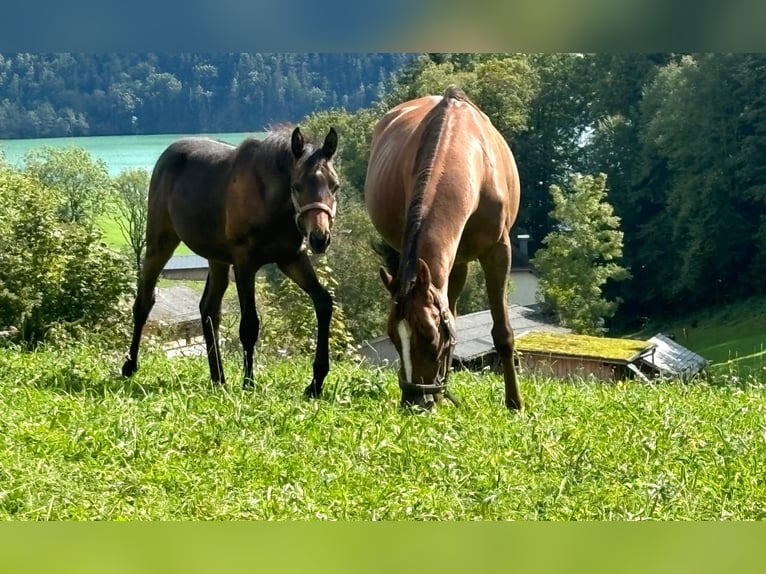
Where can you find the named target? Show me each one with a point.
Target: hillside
(70, 94)
(78, 442)
(732, 337)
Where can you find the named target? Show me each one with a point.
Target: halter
(300, 210)
(440, 382)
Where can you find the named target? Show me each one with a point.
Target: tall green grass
(78, 442)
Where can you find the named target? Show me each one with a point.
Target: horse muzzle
(424, 395)
(319, 241)
(318, 231)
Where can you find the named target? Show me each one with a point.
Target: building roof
(673, 359)
(176, 304)
(178, 262)
(568, 344)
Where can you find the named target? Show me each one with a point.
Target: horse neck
(274, 167)
(435, 241)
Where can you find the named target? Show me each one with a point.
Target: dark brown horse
(442, 189)
(243, 206)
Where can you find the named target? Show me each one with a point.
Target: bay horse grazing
(242, 206)
(442, 189)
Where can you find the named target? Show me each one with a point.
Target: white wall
(523, 287)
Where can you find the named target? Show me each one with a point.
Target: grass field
(78, 442)
(113, 236)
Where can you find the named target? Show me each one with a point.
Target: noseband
(440, 382)
(300, 210)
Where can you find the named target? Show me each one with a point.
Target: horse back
(472, 160)
(188, 193)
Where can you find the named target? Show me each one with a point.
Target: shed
(565, 355)
(188, 267)
(671, 359)
(176, 319)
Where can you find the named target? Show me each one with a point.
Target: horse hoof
(313, 391)
(514, 405)
(129, 368)
(247, 384)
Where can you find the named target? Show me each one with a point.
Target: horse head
(422, 328)
(313, 187)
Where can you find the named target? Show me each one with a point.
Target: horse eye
(335, 188)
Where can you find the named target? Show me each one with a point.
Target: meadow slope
(79, 443)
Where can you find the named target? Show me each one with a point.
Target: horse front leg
(249, 324)
(457, 279)
(497, 265)
(302, 273)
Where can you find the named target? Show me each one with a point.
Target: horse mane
(273, 153)
(431, 139)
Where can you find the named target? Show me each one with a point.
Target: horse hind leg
(249, 323)
(210, 312)
(157, 254)
(497, 265)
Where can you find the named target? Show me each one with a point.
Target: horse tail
(388, 254)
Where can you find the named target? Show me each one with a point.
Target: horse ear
(424, 275)
(297, 142)
(388, 281)
(330, 143)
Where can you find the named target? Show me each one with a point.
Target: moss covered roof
(582, 346)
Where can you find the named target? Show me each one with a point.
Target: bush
(288, 321)
(52, 273)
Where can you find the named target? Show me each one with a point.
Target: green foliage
(354, 137)
(82, 183)
(288, 320)
(358, 290)
(705, 118)
(76, 443)
(52, 272)
(580, 255)
(132, 207)
(427, 77)
(504, 89)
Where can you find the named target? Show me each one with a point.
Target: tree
(704, 118)
(53, 273)
(82, 183)
(354, 136)
(504, 88)
(637, 175)
(132, 204)
(579, 256)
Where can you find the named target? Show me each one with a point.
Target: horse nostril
(319, 242)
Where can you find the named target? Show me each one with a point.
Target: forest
(58, 95)
(680, 138)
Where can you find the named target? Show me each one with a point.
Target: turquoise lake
(119, 152)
